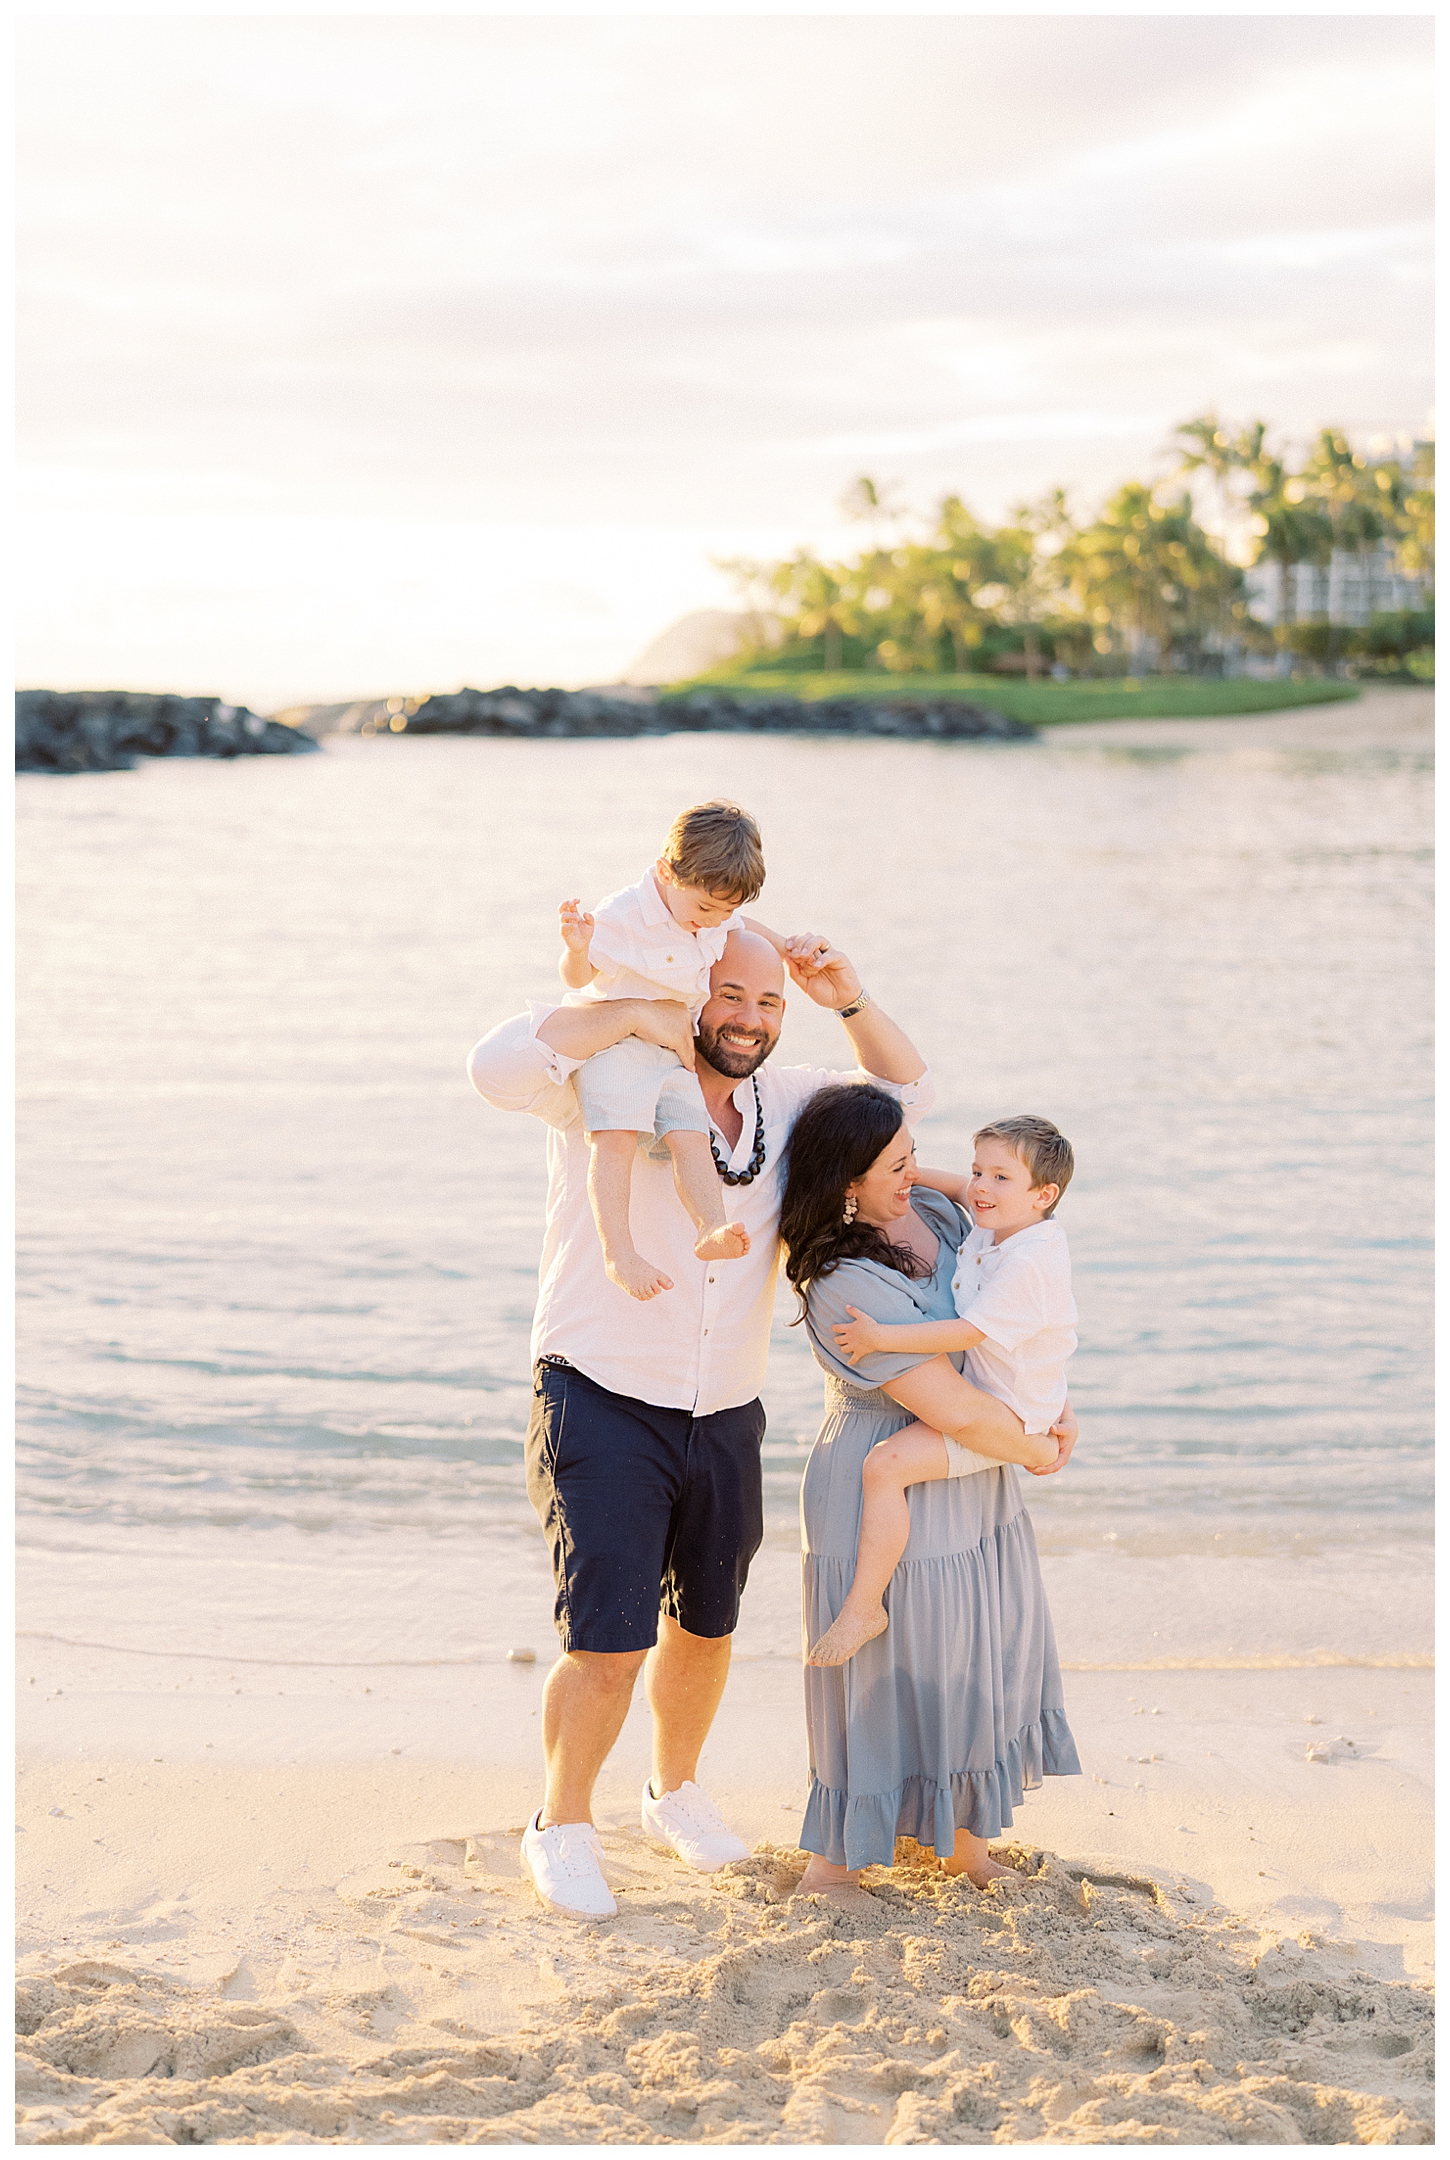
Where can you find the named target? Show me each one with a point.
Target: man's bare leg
(973, 1860)
(611, 1167)
(914, 1456)
(697, 1182)
(684, 1680)
(586, 1700)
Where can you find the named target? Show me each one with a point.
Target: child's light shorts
(637, 1087)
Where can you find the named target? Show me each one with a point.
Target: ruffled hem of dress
(860, 1830)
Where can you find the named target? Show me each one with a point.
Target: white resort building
(1346, 590)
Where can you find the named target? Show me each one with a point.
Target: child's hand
(856, 1338)
(804, 950)
(1064, 1432)
(576, 927)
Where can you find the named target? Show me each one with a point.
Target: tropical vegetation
(1153, 582)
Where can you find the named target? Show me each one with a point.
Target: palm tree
(817, 601)
(1340, 479)
(1147, 568)
(1027, 559)
(1416, 514)
(1205, 445)
(1289, 527)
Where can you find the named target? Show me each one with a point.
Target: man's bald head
(740, 1024)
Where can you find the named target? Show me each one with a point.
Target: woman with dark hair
(934, 1729)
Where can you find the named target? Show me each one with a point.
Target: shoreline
(223, 1945)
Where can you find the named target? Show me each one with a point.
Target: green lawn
(1044, 704)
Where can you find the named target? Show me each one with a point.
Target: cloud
(687, 274)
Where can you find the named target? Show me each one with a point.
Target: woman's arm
(945, 1181)
(859, 1336)
(938, 1395)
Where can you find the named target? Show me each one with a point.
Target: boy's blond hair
(716, 848)
(1037, 1141)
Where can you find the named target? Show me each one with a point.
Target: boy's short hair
(716, 848)
(1040, 1145)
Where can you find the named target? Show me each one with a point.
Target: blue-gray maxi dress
(946, 1719)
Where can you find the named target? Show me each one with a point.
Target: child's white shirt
(1019, 1293)
(640, 951)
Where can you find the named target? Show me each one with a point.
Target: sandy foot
(1060, 2008)
(845, 1636)
(981, 1877)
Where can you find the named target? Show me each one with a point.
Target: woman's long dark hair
(835, 1140)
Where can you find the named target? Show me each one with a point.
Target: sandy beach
(296, 1915)
(274, 1764)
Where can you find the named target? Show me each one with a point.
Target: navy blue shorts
(645, 1510)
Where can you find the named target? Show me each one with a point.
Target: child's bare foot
(846, 1635)
(730, 1242)
(640, 1277)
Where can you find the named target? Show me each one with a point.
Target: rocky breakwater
(72, 731)
(536, 714)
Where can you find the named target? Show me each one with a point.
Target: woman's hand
(857, 1337)
(1064, 1432)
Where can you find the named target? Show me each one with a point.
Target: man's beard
(723, 1058)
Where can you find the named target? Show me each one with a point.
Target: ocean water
(277, 1261)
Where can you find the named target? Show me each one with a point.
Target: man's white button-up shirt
(701, 1346)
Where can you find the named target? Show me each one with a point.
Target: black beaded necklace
(757, 1158)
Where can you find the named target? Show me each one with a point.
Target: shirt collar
(1036, 1231)
(651, 906)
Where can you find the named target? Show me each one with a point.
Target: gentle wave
(1315, 1661)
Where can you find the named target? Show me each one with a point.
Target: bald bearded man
(643, 1448)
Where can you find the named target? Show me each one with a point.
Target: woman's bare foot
(629, 1271)
(846, 1635)
(730, 1242)
(973, 1860)
(824, 1878)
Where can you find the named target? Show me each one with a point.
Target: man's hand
(858, 1337)
(1064, 1432)
(667, 1023)
(827, 976)
(576, 927)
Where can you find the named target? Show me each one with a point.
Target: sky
(366, 355)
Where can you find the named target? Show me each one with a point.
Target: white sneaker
(566, 1863)
(689, 1822)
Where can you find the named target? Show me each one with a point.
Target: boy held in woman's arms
(1016, 1322)
(660, 939)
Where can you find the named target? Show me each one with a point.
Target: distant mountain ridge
(696, 642)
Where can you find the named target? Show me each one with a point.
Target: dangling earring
(849, 1214)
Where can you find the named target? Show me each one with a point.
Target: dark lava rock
(70, 731)
(536, 714)
(947, 719)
